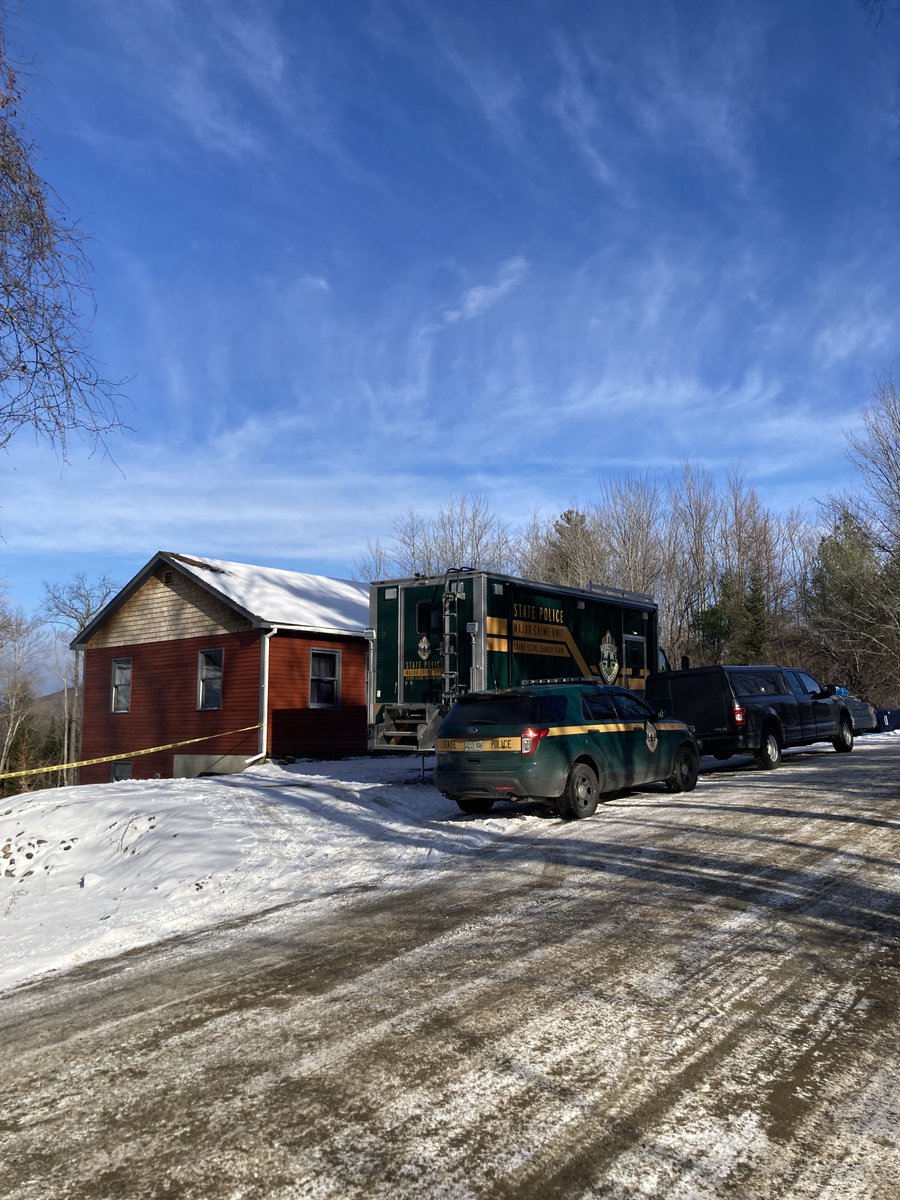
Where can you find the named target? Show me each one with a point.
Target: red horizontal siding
(164, 703)
(300, 731)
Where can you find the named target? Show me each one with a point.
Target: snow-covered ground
(87, 872)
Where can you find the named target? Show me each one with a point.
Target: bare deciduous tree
(629, 518)
(21, 646)
(75, 604)
(48, 381)
(694, 521)
(72, 606)
(374, 563)
(464, 533)
(876, 454)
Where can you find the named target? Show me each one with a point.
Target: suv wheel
(684, 772)
(844, 740)
(769, 754)
(582, 793)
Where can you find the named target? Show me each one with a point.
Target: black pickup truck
(752, 710)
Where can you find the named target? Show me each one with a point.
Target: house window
(324, 678)
(209, 678)
(121, 684)
(119, 770)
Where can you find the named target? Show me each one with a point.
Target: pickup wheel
(843, 743)
(684, 772)
(582, 793)
(474, 804)
(769, 754)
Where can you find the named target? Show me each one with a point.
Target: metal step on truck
(432, 638)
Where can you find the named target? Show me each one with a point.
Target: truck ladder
(449, 647)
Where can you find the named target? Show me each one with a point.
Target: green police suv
(566, 741)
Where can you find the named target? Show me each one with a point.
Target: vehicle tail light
(740, 716)
(530, 739)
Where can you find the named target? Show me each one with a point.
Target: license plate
(476, 746)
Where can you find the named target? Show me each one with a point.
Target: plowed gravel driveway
(681, 997)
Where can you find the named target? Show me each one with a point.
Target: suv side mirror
(826, 690)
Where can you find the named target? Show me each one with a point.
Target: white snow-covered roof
(287, 598)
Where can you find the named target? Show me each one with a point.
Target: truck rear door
(794, 710)
(420, 638)
(701, 698)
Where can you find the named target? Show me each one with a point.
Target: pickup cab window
(802, 684)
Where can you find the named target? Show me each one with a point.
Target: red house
(211, 665)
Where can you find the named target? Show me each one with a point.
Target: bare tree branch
(48, 381)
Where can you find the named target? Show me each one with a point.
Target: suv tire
(582, 793)
(684, 771)
(769, 754)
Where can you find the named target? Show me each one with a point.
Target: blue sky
(361, 257)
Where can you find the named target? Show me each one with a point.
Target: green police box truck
(435, 637)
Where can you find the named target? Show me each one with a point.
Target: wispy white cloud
(855, 313)
(468, 72)
(701, 95)
(221, 69)
(496, 91)
(868, 333)
(206, 112)
(479, 299)
(254, 46)
(578, 109)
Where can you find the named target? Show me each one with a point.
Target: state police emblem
(424, 648)
(609, 658)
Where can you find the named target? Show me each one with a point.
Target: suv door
(604, 737)
(640, 738)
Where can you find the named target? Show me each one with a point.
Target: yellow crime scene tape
(91, 762)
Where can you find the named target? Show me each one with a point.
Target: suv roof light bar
(572, 680)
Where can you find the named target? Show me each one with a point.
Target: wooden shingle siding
(164, 701)
(161, 612)
(296, 729)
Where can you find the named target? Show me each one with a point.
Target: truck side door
(825, 709)
(815, 713)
